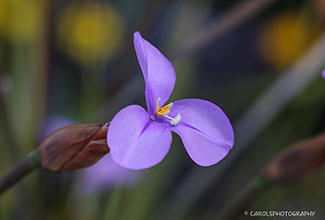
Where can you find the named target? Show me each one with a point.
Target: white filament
(176, 120)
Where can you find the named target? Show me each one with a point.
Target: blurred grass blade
(199, 41)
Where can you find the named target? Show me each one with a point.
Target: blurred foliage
(76, 59)
(21, 20)
(286, 37)
(89, 31)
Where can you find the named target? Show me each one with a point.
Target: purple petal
(158, 72)
(135, 140)
(204, 129)
(105, 175)
(323, 74)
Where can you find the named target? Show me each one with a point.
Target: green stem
(23, 168)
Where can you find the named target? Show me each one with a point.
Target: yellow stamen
(164, 110)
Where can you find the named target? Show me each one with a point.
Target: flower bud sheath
(74, 147)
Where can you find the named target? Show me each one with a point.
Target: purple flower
(140, 139)
(104, 175)
(323, 74)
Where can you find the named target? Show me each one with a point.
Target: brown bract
(74, 147)
(298, 162)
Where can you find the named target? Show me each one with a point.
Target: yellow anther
(164, 110)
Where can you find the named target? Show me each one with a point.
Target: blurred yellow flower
(20, 20)
(89, 31)
(285, 38)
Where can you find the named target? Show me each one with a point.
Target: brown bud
(74, 147)
(298, 162)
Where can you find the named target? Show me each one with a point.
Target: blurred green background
(260, 61)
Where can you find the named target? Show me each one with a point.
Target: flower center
(164, 111)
